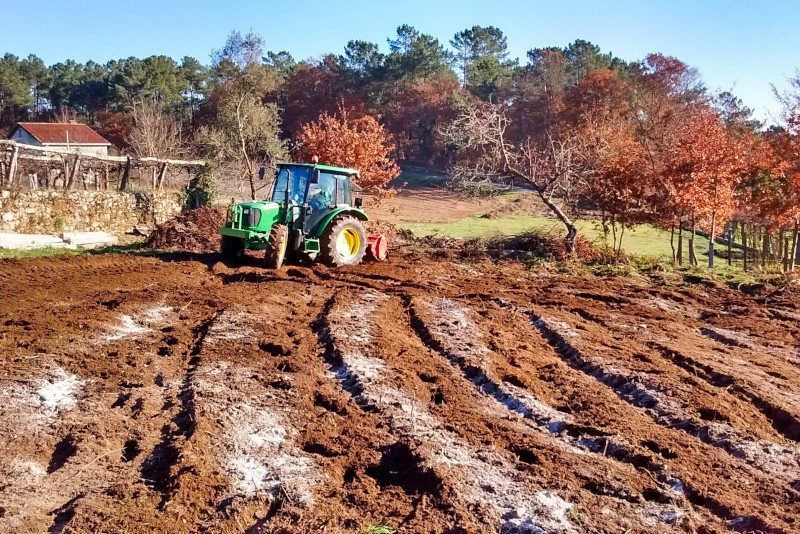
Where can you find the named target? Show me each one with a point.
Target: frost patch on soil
(58, 392)
(30, 412)
(31, 405)
(778, 460)
(558, 326)
(670, 306)
(485, 477)
(740, 339)
(140, 323)
(655, 514)
(259, 456)
(255, 444)
(231, 326)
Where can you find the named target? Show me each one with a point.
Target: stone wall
(50, 212)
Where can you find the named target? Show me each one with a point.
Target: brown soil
(175, 394)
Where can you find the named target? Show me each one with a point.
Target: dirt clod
(192, 231)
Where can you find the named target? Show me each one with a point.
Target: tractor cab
(318, 190)
(310, 212)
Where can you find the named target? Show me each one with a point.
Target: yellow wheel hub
(348, 243)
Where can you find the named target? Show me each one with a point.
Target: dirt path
(180, 395)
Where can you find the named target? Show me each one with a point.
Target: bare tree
(246, 130)
(551, 165)
(154, 134)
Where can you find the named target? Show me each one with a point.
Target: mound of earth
(154, 395)
(546, 246)
(191, 231)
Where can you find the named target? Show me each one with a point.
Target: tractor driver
(320, 195)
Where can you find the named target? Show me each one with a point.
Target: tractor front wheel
(344, 242)
(231, 248)
(278, 243)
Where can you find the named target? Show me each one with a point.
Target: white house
(70, 136)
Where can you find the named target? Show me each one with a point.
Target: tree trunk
(672, 243)
(680, 242)
(794, 248)
(692, 254)
(711, 240)
(785, 255)
(731, 232)
(765, 249)
(744, 248)
(572, 230)
(613, 233)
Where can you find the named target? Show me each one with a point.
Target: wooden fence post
(12, 166)
(162, 175)
(75, 167)
(126, 175)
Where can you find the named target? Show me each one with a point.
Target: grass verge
(643, 240)
(45, 252)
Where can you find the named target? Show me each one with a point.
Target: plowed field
(180, 395)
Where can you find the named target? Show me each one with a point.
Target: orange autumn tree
(356, 142)
(705, 164)
(600, 110)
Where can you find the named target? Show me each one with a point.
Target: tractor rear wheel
(231, 248)
(344, 242)
(278, 243)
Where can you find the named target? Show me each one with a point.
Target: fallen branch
(90, 463)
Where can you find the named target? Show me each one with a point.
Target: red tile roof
(56, 132)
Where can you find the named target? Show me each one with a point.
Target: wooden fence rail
(12, 153)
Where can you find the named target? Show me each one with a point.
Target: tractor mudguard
(323, 224)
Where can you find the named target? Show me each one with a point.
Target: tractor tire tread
(275, 255)
(328, 253)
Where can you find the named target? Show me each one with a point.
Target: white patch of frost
(58, 392)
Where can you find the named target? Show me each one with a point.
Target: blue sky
(744, 45)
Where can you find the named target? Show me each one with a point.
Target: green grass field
(644, 240)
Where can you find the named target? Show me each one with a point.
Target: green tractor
(310, 213)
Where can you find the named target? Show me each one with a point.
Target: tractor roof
(327, 168)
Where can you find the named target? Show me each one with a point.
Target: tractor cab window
(321, 198)
(297, 179)
(343, 190)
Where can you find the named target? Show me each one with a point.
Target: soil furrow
(488, 479)
(663, 410)
(784, 422)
